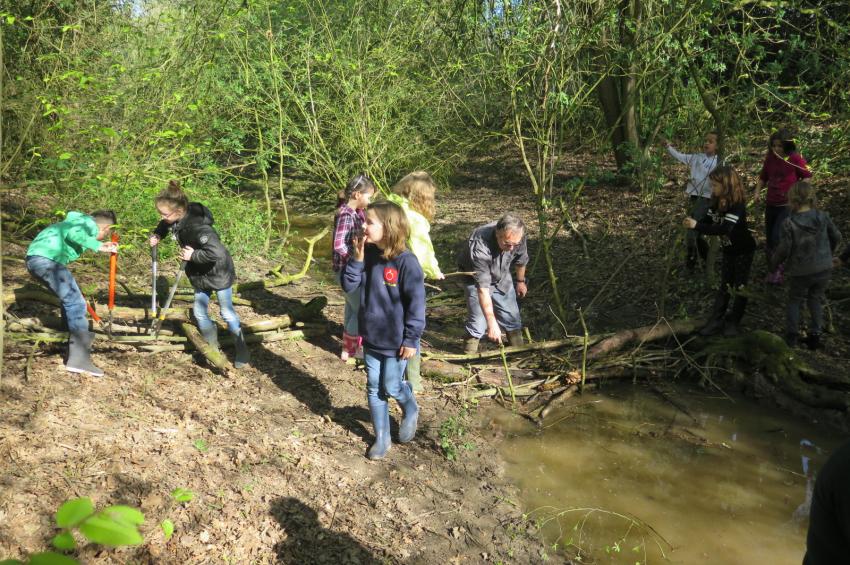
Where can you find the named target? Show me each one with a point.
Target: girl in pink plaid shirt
(348, 224)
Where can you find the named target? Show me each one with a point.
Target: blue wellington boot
(381, 421)
(407, 429)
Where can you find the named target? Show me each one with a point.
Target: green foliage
(113, 526)
(167, 527)
(182, 495)
(74, 511)
(453, 432)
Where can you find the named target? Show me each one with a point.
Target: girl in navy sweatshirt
(391, 317)
(727, 218)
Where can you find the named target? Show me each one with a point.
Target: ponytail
(173, 196)
(357, 183)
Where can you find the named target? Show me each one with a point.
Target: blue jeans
(504, 306)
(385, 378)
(352, 307)
(59, 279)
(225, 304)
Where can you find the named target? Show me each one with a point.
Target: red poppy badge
(390, 276)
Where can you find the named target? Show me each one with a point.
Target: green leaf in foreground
(167, 528)
(125, 514)
(109, 529)
(73, 512)
(11, 562)
(64, 541)
(182, 494)
(51, 558)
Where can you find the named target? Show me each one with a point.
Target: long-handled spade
(157, 324)
(154, 264)
(113, 269)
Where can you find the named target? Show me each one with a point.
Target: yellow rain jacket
(419, 240)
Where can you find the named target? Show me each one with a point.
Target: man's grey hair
(509, 223)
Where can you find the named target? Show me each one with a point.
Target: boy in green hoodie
(47, 258)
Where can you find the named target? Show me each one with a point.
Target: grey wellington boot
(515, 338)
(210, 334)
(243, 356)
(410, 411)
(79, 354)
(381, 421)
(470, 344)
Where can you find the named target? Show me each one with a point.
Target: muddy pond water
(623, 476)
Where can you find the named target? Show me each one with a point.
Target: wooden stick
(537, 346)
(214, 356)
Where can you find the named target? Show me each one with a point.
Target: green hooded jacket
(65, 242)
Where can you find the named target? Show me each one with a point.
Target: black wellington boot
(243, 356)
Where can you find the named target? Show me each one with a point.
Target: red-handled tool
(113, 269)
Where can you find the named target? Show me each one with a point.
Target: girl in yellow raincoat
(415, 194)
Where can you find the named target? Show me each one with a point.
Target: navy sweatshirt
(732, 226)
(392, 299)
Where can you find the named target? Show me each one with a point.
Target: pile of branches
(537, 377)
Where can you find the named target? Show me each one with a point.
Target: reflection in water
(631, 479)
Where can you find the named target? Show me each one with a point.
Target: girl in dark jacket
(207, 261)
(807, 240)
(727, 218)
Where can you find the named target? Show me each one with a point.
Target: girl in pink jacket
(783, 166)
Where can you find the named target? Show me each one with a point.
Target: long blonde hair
(419, 189)
(396, 228)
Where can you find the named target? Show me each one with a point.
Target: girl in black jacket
(208, 263)
(727, 217)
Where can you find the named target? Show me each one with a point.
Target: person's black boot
(715, 319)
(79, 354)
(814, 342)
(791, 340)
(243, 356)
(731, 328)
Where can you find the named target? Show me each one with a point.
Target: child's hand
(689, 223)
(406, 352)
(836, 262)
(108, 247)
(186, 253)
(664, 141)
(359, 247)
(153, 240)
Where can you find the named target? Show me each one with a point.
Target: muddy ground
(275, 452)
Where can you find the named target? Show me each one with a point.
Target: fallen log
(213, 355)
(528, 347)
(660, 330)
(31, 293)
(268, 337)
